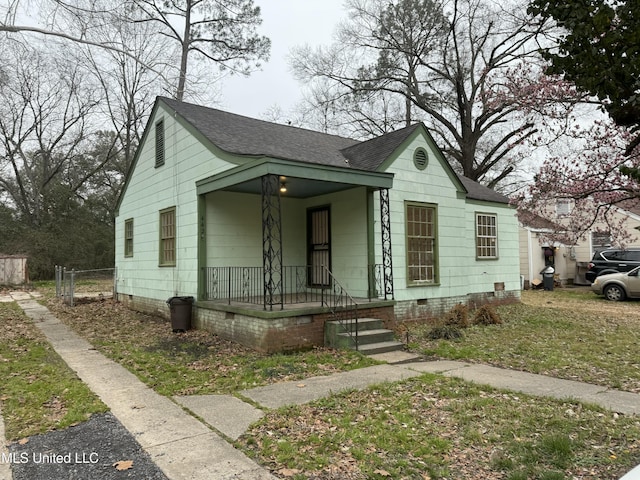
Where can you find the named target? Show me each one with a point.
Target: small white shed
(13, 270)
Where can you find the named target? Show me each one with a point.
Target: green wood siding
(151, 189)
(459, 272)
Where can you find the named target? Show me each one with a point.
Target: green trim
(490, 204)
(202, 244)
(424, 132)
(420, 158)
(291, 311)
(371, 241)
(161, 108)
(436, 246)
(288, 168)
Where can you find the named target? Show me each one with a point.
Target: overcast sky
(287, 23)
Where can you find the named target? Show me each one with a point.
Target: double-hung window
(486, 236)
(168, 237)
(128, 237)
(421, 233)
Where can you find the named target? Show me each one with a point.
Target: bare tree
(128, 86)
(45, 114)
(468, 68)
(223, 32)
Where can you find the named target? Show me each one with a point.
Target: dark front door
(318, 245)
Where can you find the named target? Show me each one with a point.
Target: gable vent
(160, 143)
(420, 158)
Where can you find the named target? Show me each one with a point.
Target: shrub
(458, 316)
(444, 332)
(486, 315)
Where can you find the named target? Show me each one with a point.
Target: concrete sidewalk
(180, 445)
(184, 447)
(538, 385)
(232, 416)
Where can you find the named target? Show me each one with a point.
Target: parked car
(612, 260)
(618, 286)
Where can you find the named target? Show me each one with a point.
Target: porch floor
(286, 310)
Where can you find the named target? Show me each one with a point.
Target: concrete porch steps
(381, 347)
(372, 337)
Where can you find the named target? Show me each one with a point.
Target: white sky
(287, 23)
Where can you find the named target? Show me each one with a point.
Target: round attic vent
(420, 158)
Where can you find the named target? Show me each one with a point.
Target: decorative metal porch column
(272, 242)
(387, 261)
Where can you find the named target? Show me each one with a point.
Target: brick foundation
(411, 310)
(306, 330)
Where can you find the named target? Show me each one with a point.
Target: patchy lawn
(567, 333)
(429, 427)
(440, 428)
(194, 362)
(434, 427)
(38, 391)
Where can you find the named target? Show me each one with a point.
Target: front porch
(274, 239)
(297, 326)
(236, 300)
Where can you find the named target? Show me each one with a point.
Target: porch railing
(300, 284)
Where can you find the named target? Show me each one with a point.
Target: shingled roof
(247, 136)
(480, 192)
(252, 137)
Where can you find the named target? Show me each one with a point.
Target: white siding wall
(567, 258)
(152, 189)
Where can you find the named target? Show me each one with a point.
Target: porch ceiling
(301, 180)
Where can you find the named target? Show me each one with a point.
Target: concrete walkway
(184, 447)
(180, 445)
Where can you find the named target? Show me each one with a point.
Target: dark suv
(612, 260)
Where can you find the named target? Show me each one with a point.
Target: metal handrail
(349, 307)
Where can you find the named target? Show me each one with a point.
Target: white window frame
(486, 236)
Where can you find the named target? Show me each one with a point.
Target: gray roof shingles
(247, 136)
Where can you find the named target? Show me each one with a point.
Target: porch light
(283, 187)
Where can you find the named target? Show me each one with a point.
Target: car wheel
(615, 293)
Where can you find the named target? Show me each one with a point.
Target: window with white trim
(486, 236)
(563, 206)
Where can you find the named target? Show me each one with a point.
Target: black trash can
(180, 313)
(547, 278)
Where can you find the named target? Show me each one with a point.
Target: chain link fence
(72, 285)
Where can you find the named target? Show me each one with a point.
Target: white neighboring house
(275, 229)
(569, 261)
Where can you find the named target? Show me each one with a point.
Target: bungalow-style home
(277, 231)
(570, 262)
